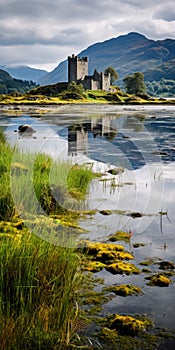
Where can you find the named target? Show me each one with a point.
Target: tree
(113, 74)
(134, 84)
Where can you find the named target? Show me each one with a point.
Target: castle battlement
(78, 72)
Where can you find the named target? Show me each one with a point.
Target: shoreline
(19, 109)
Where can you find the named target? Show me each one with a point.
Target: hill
(10, 85)
(25, 72)
(127, 54)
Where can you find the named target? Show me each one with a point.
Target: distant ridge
(24, 72)
(11, 85)
(127, 54)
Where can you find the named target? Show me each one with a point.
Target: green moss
(122, 267)
(93, 266)
(104, 252)
(128, 324)
(120, 236)
(93, 248)
(109, 335)
(124, 290)
(159, 280)
(109, 256)
(148, 262)
(113, 340)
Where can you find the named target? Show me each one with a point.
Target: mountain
(127, 54)
(9, 84)
(24, 72)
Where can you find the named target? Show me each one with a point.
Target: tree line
(134, 84)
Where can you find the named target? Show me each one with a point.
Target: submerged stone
(138, 245)
(135, 215)
(120, 236)
(105, 212)
(167, 265)
(124, 290)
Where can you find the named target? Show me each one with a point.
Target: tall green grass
(35, 184)
(39, 281)
(39, 285)
(6, 202)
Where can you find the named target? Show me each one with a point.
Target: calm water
(140, 141)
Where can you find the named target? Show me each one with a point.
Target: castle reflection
(78, 134)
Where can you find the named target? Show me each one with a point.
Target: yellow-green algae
(128, 324)
(93, 266)
(110, 255)
(159, 280)
(93, 248)
(122, 267)
(120, 236)
(124, 290)
(105, 252)
(111, 339)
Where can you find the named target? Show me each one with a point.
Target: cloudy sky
(41, 33)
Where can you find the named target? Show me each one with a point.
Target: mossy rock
(148, 262)
(93, 248)
(128, 324)
(124, 290)
(116, 171)
(166, 265)
(105, 212)
(138, 245)
(108, 256)
(94, 266)
(122, 267)
(120, 236)
(159, 280)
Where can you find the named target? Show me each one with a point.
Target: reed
(39, 281)
(39, 285)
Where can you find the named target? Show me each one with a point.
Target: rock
(167, 265)
(122, 267)
(94, 266)
(120, 236)
(159, 280)
(116, 171)
(138, 245)
(135, 215)
(128, 324)
(105, 212)
(26, 128)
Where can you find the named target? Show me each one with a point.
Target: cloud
(44, 31)
(166, 13)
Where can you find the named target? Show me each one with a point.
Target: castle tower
(77, 68)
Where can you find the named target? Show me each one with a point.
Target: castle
(78, 72)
